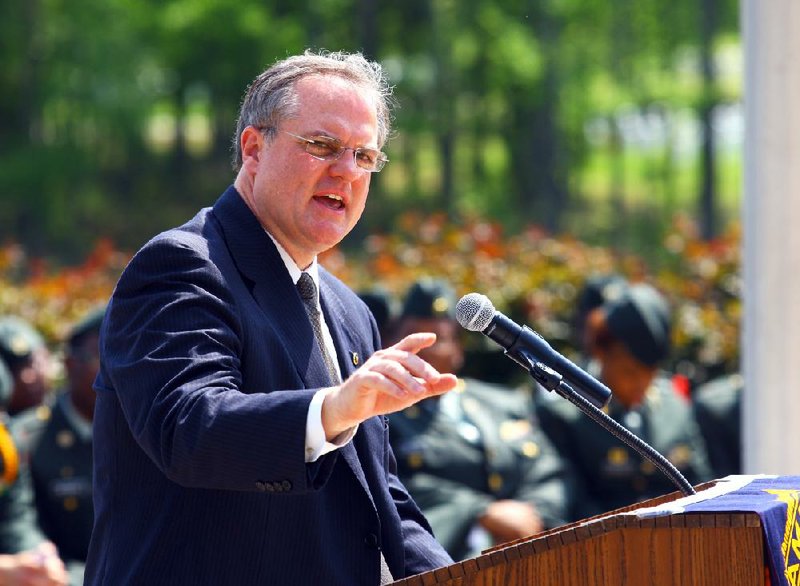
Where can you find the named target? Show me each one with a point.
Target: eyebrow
(324, 134)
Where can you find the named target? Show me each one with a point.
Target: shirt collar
(291, 266)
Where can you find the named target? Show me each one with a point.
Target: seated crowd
(486, 463)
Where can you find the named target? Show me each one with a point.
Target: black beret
(640, 319)
(429, 298)
(380, 304)
(600, 289)
(18, 340)
(91, 322)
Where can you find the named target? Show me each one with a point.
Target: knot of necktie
(307, 288)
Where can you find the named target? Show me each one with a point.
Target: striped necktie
(308, 292)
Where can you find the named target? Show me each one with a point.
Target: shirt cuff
(316, 444)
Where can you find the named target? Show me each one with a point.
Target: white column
(771, 218)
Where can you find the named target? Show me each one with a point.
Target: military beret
(429, 298)
(380, 304)
(640, 319)
(599, 289)
(18, 340)
(90, 323)
(6, 385)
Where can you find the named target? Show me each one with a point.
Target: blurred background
(536, 143)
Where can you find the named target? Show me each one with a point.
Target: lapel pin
(354, 356)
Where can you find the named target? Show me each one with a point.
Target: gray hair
(271, 97)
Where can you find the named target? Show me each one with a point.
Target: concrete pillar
(771, 219)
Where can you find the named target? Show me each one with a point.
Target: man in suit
(475, 461)
(227, 449)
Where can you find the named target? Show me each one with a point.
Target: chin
(326, 237)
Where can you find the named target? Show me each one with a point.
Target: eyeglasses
(325, 148)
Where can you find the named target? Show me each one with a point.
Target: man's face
(82, 365)
(627, 378)
(309, 205)
(31, 382)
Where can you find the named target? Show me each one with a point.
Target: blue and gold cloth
(776, 500)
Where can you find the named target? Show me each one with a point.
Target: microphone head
(474, 312)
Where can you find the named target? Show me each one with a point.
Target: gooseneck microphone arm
(553, 381)
(549, 368)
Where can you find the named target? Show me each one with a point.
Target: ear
(250, 142)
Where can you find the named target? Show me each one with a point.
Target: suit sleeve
(171, 347)
(422, 551)
(451, 507)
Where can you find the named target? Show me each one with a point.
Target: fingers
(445, 383)
(415, 342)
(390, 380)
(405, 353)
(46, 548)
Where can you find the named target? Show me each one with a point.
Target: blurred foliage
(532, 276)
(116, 116)
(577, 116)
(535, 277)
(54, 299)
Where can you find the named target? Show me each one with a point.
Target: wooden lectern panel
(697, 549)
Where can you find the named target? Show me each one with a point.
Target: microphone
(526, 347)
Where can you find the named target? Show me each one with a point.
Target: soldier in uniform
(718, 408)
(25, 556)
(380, 303)
(474, 460)
(596, 290)
(630, 337)
(24, 352)
(61, 456)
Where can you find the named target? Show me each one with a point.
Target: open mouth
(330, 201)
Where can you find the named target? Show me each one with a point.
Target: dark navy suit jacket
(208, 367)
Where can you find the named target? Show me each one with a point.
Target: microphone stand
(553, 381)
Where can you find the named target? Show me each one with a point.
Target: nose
(345, 166)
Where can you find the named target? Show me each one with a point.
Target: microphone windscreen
(474, 312)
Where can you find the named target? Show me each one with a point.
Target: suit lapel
(260, 264)
(343, 331)
(345, 337)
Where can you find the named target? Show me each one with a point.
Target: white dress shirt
(316, 444)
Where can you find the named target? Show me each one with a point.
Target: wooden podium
(618, 549)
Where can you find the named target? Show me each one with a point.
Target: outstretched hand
(392, 379)
(37, 567)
